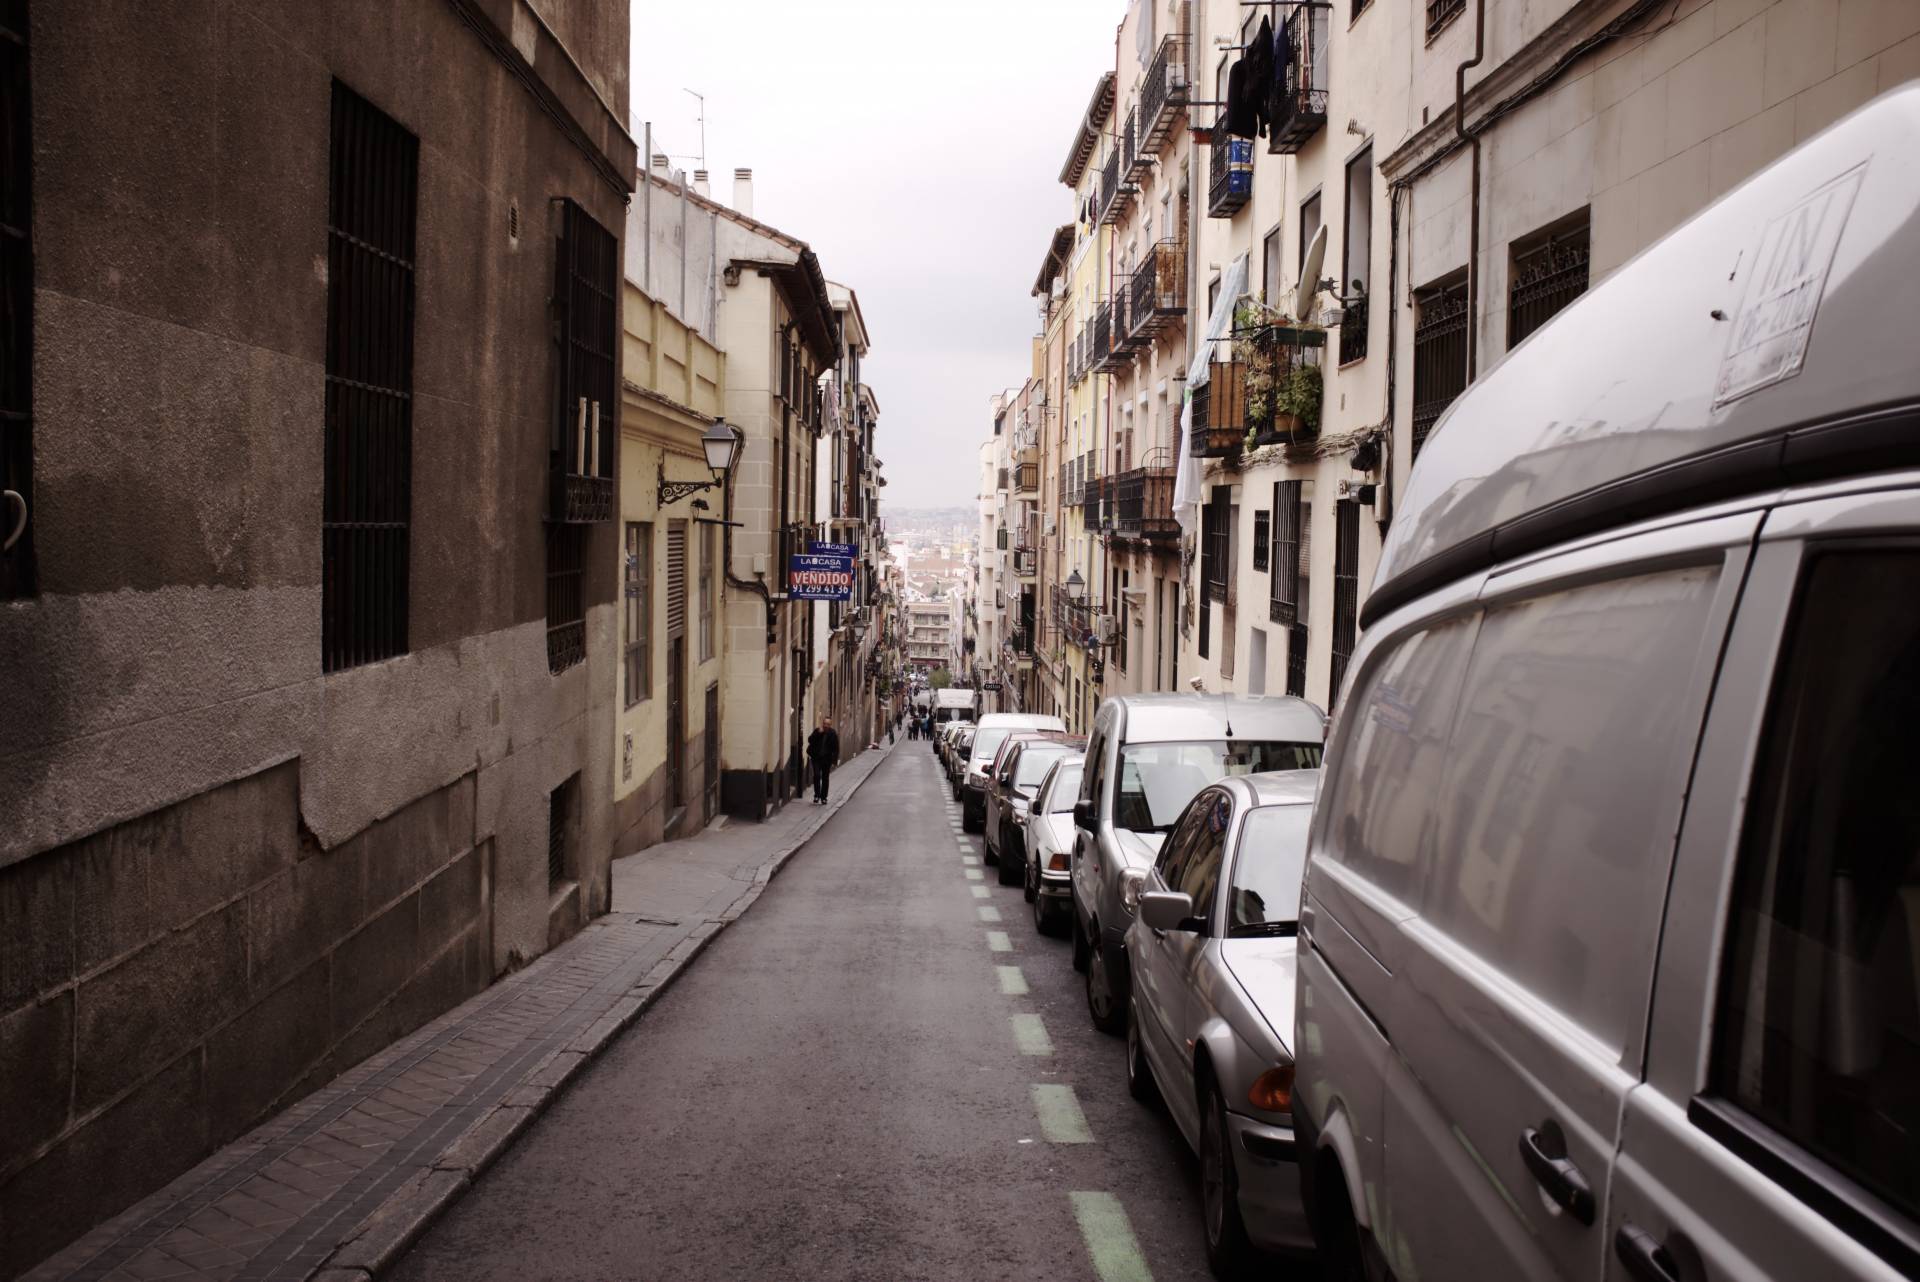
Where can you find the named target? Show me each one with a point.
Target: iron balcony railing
(1163, 94)
(1134, 161)
(1143, 499)
(1101, 333)
(1220, 412)
(1026, 563)
(1159, 291)
(1116, 189)
(1230, 171)
(1353, 330)
(1302, 102)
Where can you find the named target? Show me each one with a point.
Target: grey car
(1210, 1013)
(1017, 777)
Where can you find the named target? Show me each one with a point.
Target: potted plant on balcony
(1297, 403)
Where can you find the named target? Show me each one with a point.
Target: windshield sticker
(1784, 288)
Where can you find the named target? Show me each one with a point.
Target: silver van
(1609, 953)
(970, 787)
(1146, 758)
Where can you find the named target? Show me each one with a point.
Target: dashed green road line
(973, 874)
(1012, 982)
(1110, 1241)
(1030, 1035)
(998, 942)
(979, 892)
(989, 913)
(1061, 1120)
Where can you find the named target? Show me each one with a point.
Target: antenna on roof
(702, 100)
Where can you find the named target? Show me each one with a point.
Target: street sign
(848, 550)
(820, 578)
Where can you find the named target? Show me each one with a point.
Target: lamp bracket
(674, 491)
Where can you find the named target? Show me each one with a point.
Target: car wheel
(1011, 874)
(967, 822)
(1030, 877)
(1228, 1252)
(1045, 917)
(1081, 952)
(1103, 1005)
(1335, 1232)
(1140, 1083)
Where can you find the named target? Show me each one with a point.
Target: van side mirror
(1083, 815)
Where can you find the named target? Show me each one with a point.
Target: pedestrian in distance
(823, 749)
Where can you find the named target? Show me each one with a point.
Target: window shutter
(677, 579)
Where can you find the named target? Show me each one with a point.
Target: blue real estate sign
(846, 551)
(820, 578)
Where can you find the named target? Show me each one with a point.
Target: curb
(382, 1238)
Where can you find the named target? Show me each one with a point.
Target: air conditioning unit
(1106, 629)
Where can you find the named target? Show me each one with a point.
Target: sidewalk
(341, 1183)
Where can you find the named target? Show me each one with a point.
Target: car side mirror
(1167, 910)
(1083, 815)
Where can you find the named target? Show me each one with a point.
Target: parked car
(1610, 944)
(943, 736)
(1147, 757)
(993, 782)
(1015, 777)
(989, 731)
(1210, 1011)
(957, 757)
(1048, 843)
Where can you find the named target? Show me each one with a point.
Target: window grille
(1298, 635)
(1439, 353)
(1440, 13)
(1214, 533)
(709, 563)
(1547, 274)
(1346, 591)
(566, 596)
(637, 603)
(560, 807)
(16, 297)
(1261, 535)
(1283, 591)
(367, 473)
(586, 290)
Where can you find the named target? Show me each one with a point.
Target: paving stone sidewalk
(340, 1184)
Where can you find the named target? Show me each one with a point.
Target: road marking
(1030, 1035)
(997, 940)
(1110, 1241)
(973, 874)
(1061, 1120)
(1012, 982)
(979, 892)
(988, 912)
(970, 861)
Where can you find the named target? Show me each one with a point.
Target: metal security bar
(586, 286)
(1440, 13)
(1346, 591)
(566, 596)
(366, 486)
(16, 301)
(1439, 354)
(1298, 634)
(1546, 276)
(1353, 330)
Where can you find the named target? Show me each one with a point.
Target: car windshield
(1034, 764)
(1264, 896)
(1157, 780)
(986, 743)
(1066, 790)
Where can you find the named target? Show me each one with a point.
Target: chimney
(743, 192)
(700, 182)
(660, 167)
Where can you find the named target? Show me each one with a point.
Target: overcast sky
(917, 147)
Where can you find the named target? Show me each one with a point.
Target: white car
(1049, 844)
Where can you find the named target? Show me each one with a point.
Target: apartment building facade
(310, 633)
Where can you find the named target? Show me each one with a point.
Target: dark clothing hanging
(1242, 119)
(1261, 70)
(1284, 86)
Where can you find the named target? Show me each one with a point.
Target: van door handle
(1645, 1258)
(1556, 1173)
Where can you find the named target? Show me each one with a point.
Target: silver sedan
(1048, 847)
(1210, 1015)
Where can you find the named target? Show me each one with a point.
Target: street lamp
(1076, 587)
(721, 444)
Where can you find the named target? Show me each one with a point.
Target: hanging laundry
(1258, 61)
(1284, 85)
(1241, 117)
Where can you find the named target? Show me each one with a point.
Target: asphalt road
(843, 1086)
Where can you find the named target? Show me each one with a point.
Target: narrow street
(882, 1071)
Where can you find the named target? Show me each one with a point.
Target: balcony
(1159, 293)
(1138, 160)
(1026, 563)
(1026, 478)
(1000, 480)
(1220, 412)
(1303, 100)
(1143, 500)
(1116, 190)
(1163, 95)
(1101, 335)
(1282, 374)
(1099, 504)
(1231, 175)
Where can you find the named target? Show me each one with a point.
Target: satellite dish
(1309, 285)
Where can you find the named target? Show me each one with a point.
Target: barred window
(367, 473)
(709, 569)
(16, 298)
(566, 595)
(1298, 635)
(1346, 591)
(1549, 271)
(637, 606)
(1261, 525)
(1439, 352)
(587, 290)
(1284, 590)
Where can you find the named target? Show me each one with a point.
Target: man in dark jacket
(823, 749)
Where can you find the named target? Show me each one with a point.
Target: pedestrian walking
(823, 749)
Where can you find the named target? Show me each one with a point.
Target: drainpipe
(1473, 233)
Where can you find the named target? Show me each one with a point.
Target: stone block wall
(171, 981)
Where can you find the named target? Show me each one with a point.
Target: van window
(1158, 779)
(1386, 765)
(1819, 1027)
(1563, 790)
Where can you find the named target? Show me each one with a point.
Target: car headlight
(1130, 882)
(1272, 1091)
